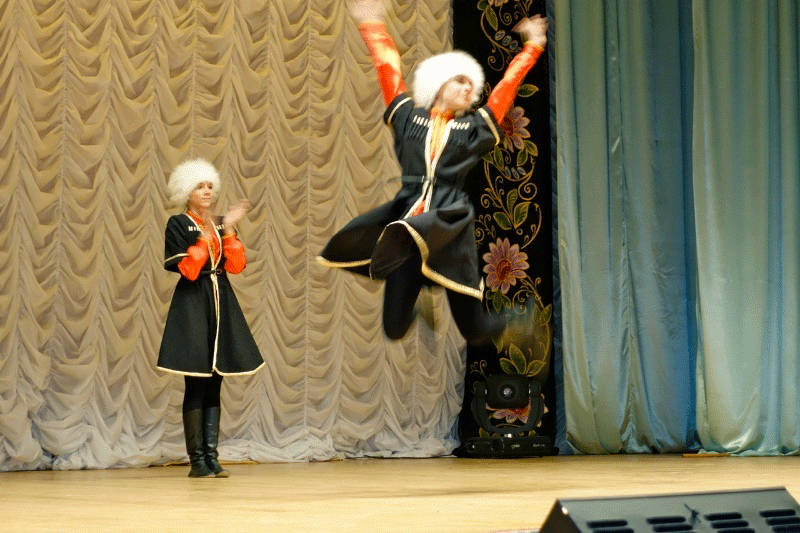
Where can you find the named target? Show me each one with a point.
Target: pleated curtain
(99, 100)
(678, 174)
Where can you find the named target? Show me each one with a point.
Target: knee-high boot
(211, 435)
(193, 431)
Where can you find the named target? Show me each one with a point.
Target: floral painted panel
(512, 191)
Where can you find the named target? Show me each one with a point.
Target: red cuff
(233, 249)
(191, 265)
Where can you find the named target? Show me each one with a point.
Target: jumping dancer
(426, 234)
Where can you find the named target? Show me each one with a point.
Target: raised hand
(363, 10)
(534, 30)
(235, 214)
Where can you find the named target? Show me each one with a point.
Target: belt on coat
(440, 180)
(217, 271)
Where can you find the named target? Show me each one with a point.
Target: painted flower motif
(513, 124)
(497, 3)
(504, 265)
(520, 414)
(512, 415)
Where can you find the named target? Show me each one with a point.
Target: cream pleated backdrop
(99, 100)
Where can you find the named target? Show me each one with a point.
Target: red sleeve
(505, 91)
(385, 58)
(233, 249)
(191, 265)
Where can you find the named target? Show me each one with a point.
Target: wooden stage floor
(364, 495)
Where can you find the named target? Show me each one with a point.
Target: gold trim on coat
(401, 102)
(489, 121)
(168, 259)
(343, 264)
(431, 274)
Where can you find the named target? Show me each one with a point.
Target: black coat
(380, 240)
(205, 330)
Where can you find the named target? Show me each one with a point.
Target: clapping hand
(235, 214)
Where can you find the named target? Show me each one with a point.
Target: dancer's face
(201, 197)
(455, 95)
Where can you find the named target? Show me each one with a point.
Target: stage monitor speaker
(770, 510)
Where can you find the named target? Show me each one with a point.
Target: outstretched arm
(369, 16)
(534, 31)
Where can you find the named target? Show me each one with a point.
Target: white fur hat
(187, 175)
(437, 70)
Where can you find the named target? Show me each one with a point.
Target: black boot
(193, 430)
(211, 435)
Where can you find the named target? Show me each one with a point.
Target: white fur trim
(187, 175)
(437, 70)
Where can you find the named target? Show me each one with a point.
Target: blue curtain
(678, 173)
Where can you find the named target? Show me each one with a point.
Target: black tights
(201, 393)
(402, 288)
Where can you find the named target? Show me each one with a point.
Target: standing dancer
(206, 335)
(426, 234)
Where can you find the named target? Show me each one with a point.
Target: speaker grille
(599, 524)
(776, 513)
(719, 517)
(667, 524)
(609, 526)
(770, 510)
(782, 520)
